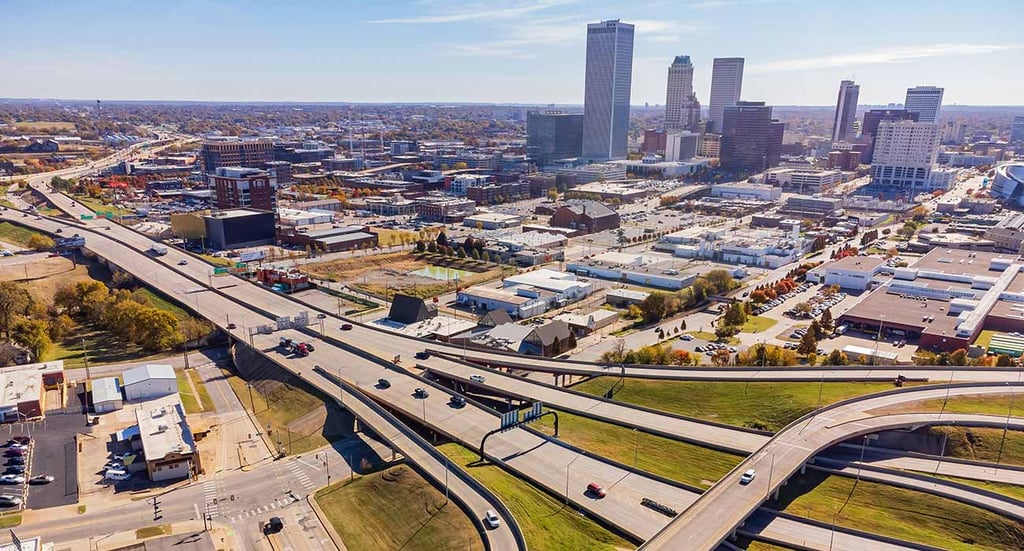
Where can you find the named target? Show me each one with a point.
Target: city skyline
(449, 50)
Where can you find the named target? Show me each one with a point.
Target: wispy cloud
(889, 55)
(472, 13)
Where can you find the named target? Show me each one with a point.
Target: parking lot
(54, 454)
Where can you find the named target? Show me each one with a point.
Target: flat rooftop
(497, 294)
(859, 263)
(957, 261)
(895, 310)
(235, 213)
(163, 428)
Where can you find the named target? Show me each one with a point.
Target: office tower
(952, 132)
(846, 111)
(681, 146)
(606, 96)
(904, 154)
(236, 152)
(751, 140)
(726, 83)
(553, 135)
(925, 101)
(682, 110)
(238, 187)
(1017, 130)
(872, 119)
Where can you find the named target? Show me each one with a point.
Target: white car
(748, 476)
(686, 338)
(12, 479)
(477, 378)
(491, 518)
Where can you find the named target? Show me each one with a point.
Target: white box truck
(157, 249)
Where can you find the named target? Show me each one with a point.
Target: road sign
(534, 413)
(220, 271)
(509, 419)
(85, 217)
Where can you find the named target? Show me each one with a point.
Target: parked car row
(777, 301)
(17, 453)
(712, 347)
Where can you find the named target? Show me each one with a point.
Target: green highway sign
(220, 271)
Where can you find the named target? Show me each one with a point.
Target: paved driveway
(54, 453)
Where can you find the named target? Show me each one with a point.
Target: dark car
(273, 526)
(383, 383)
(457, 402)
(16, 461)
(14, 452)
(346, 327)
(422, 355)
(420, 393)
(15, 469)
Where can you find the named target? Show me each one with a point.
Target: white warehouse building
(149, 381)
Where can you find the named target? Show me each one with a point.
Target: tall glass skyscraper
(726, 84)
(846, 111)
(606, 97)
(925, 101)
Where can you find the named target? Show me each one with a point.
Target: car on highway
(7, 500)
(422, 355)
(346, 327)
(457, 402)
(491, 518)
(477, 378)
(748, 476)
(420, 392)
(182, 262)
(596, 490)
(383, 383)
(11, 479)
(41, 479)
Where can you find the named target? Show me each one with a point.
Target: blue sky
(507, 51)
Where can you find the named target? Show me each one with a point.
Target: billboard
(251, 256)
(69, 242)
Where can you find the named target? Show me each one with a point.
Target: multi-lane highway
(725, 505)
(359, 356)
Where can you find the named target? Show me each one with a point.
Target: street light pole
(636, 447)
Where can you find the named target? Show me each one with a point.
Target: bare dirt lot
(46, 272)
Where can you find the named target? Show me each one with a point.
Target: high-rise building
(872, 119)
(726, 84)
(846, 111)
(236, 152)
(751, 139)
(606, 96)
(553, 135)
(1017, 129)
(952, 132)
(238, 187)
(682, 110)
(904, 154)
(925, 101)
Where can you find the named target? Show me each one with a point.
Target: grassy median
(396, 509)
(681, 461)
(188, 398)
(983, 444)
(1008, 490)
(900, 513)
(546, 522)
(766, 406)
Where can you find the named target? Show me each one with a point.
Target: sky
(502, 51)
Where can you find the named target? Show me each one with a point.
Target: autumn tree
(808, 343)
(13, 302)
(682, 358)
(736, 314)
(32, 334)
(60, 326)
(826, 321)
(836, 357)
(40, 242)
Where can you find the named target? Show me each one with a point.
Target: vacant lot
(546, 522)
(296, 413)
(897, 512)
(766, 406)
(389, 273)
(36, 266)
(396, 509)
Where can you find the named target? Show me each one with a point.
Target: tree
(420, 247)
(60, 326)
(159, 330)
(827, 323)
(816, 328)
(1004, 360)
(658, 306)
(802, 308)
(681, 358)
(634, 312)
(442, 239)
(719, 281)
(808, 343)
(721, 358)
(958, 357)
(552, 194)
(432, 247)
(40, 242)
(836, 357)
(724, 331)
(736, 314)
(908, 230)
(13, 302)
(461, 253)
(32, 335)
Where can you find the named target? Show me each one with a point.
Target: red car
(596, 490)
